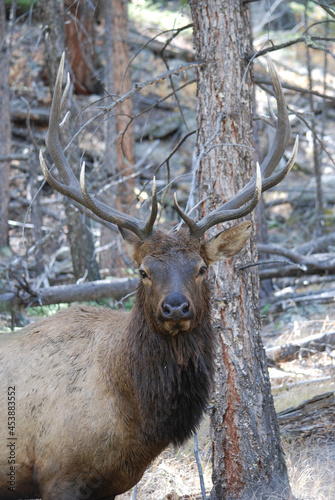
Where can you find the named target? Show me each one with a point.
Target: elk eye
(143, 273)
(202, 270)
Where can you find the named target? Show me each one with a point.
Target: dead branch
(14, 156)
(286, 300)
(291, 271)
(261, 81)
(157, 104)
(319, 245)
(134, 90)
(38, 115)
(309, 381)
(301, 348)
(311, 264)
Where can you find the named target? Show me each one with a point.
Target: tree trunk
(5, 128)
(247, 455)
(36, 212)
(120, 149)
(121, 85)
(80, 42)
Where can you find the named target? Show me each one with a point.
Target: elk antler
(246, 200)
(70, 186)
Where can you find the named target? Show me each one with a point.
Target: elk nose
(176, 307)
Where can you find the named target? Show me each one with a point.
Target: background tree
(247, 455)
(120, 147)
(79, 20)
(5, 128)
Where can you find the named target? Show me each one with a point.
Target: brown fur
(100, 393)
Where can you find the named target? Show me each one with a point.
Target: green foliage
(45, 311)
(22, 4)
(166, 3)
(128, 304)
(265, 309)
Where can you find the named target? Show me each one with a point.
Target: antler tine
(283, 128)
(276, 178)
(58, 186)
(70, 186)
(154, 209)
(244, 201)
(197, 229)
(65, 92)
(53, 141)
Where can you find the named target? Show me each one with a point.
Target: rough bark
(247, 455)
(119, 155)
(5, 128)
(81, 244)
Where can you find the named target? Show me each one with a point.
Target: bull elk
(91, 396)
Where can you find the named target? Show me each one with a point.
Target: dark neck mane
(172, 376)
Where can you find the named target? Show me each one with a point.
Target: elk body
(100, 393)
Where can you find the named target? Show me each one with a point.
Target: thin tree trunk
(119, 155)
(247, 455)
(5, 128)
(80, 43)
(122, 84)
(36, 212)
(319, 208)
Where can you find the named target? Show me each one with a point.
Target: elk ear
(132, 241)
(227, 243)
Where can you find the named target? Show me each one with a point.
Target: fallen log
(314, 417)
(319, 264)
(303, 347)
(309, 381)
(285, 298)
(93, 290)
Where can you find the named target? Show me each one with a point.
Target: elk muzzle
(176, 312)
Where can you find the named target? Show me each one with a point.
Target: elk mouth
(175, 327)
(176, 313)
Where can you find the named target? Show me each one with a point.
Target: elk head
(173, 266)
(173, 270)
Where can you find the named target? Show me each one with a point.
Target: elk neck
(170, 377)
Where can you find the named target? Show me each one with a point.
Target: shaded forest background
(125, 142)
